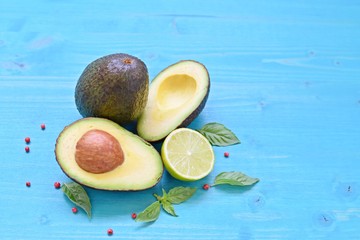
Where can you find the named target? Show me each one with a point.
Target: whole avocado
(115, 87)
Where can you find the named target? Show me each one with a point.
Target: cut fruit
(99, 153)
(177, 95)
(187, 155)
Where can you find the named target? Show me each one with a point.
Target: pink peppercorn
(42, 126)
(27, 149)
(134, 215)
(226, 154)
(206, 186)
(74, 210)
(57, 185)
(27, 140)
(110, 232)
(28, 184)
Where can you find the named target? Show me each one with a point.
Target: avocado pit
(98, 152)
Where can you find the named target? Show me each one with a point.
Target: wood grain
(285, 78)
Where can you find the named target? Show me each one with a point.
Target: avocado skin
(113, 89)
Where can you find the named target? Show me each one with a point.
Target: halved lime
(187, 155)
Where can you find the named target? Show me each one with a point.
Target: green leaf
(180, 194)
(219, 135)
(168, 207)
(77, 194)
(164, 196)
(235, 178)
(150, 214)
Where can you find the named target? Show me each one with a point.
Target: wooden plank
(285, 78)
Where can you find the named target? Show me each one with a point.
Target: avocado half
(137, 166)
(177, 95)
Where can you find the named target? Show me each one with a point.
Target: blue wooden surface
(285, 78)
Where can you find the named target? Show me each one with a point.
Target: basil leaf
(218, 135)
(180, 194)
(77, 194)
(235, 178)
(150, 214)
(164, 193)
(168, 207)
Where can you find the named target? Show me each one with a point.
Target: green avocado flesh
(141, 168)
(177, 95)
(115, 87)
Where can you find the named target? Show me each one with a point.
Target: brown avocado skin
(115, 87)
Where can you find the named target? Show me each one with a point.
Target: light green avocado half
(177, 95)
(142, 167)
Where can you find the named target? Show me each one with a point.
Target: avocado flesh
(177, 95)
(142, 167)
(114, 87)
